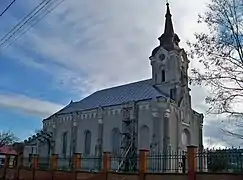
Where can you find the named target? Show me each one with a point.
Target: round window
(161, 57)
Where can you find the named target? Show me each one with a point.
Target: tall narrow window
(64, 144)
(144, 137)
(115, 141)
(87, 142)
(155, 77)
(30, 157)
(173, 93)
(163, 75)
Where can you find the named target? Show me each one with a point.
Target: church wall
(186, 128)
(177, 127)
(192, 126)
(162, 106)
(29, 149)
(88, 122)
(157, 113)
(47, 125)
(145, 122)
(43, 149)
(196, 128)
(175, 130)
(173, 72)
(61, 127)
(112, 119)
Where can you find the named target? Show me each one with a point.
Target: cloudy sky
(83, 46)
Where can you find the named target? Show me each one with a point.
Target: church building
(153, 114)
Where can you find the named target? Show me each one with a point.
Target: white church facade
(159, 108)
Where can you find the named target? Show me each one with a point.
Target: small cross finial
(167, 2)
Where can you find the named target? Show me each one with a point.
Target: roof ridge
(113, 87)
(133, 91)
(118, 86)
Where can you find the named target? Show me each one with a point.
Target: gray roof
(137, 91)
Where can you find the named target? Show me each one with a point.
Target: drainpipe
(100, 137)
(53, 144)
(73, 138)
(100, 142)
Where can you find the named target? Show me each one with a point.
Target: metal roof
(136, 91)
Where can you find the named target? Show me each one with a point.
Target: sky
(83, 46)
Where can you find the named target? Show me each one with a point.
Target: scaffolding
(129, 143)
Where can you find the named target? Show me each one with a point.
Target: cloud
(28, 105)
(103, 45)
(215, 135)
(89, 45)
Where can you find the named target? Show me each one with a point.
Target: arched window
(144, 142)
(185, 137)
(163, 75)
(115, 141)
(64, 144)
(87, 142)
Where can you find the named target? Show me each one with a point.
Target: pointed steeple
(168, 23)
(168, 39)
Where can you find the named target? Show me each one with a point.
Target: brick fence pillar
(6, 165)
(19, 164)
(143, 163)
(192, 162)
(35, 164)
(77, 161)
(35, 161)
(143, 153)
(106, 164)
(54, 161)
(106, 161)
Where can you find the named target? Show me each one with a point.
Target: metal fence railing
(65, 164)
(91, 163)
(119, 164)
(44, 163)
(170, 162)
(220, 160)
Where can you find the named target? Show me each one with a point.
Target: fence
(144, 162)
(220, 160)
(172, 162)
(184, 164)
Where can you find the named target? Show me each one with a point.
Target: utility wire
(24, 22)
(20, 22)
(32, 18)
(7, 7)
(35, 21)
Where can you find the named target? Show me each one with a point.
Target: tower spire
(169, 31)
(168, 40)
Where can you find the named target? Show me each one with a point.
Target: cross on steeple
(168, 40)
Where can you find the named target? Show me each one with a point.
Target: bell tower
(169, 62)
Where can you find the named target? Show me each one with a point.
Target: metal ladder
(129, 138)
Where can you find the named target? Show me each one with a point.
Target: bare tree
(38, 131)
(220, 51)
(7, 138)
